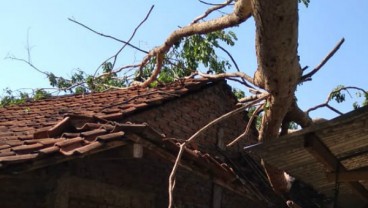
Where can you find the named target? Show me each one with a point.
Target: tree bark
(278, 65)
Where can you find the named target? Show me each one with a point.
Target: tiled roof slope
(79, 124)
(20, 122)
(83, 135)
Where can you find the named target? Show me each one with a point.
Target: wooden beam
(352, 175)
(322, 153)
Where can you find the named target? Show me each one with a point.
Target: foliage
(305, 2)
(338, 94)
(80, 82)
(185, 57)
(11, 98)
(239, 94)
(190, 53)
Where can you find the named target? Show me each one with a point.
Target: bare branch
(308, 76)
(210, 10)
(250, 98)
(29, 64)
(199, 132)
(133, 34)
(235, 64)
(229, 75)
(249, 124)
(207, 3)
(107, 36)
(126, 67)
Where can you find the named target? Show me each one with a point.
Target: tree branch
(29, 64)
(329, 97)
(210, 10)
(249, 124)
(308, 76)
(229, 75)
(241, 13)
(236, 66)
(207, 3)
(107, 36)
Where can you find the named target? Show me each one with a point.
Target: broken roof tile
(113, 116)
(49, 150)
(67, 142)
(88, 147)
(110, 136)
(6, 153)
(92, 134)
(27, 148)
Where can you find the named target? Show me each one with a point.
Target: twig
(126, 43)
(210, 10)
(28, 47)
(29, 63)
(329, 97)
(236, 65)
(125, 67)
(107, 36)
(249, 124)
(207, 3)
(308, 76)
(133, 34)
(199, 132)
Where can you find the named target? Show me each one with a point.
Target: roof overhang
(328, 156)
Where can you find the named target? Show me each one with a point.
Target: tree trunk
(278, 65)
(278, 69)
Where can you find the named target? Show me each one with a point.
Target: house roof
(50, 131)
(22, 121)
(331, 156)
(60, 124)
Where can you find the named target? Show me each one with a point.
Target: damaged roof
(77, 124)
(38, 134)
(21, 121)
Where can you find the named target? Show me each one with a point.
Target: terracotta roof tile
(27, 148)
(68, 142)
(49, 150)
(18, 158)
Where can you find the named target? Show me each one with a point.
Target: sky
(60, 46)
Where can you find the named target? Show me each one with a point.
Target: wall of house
(112, 179)
(181, 118)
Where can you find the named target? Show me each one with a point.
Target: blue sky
(60, 46)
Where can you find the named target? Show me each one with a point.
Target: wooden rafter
(348, 176)
(320, 151)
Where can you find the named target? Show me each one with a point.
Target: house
(116, 149)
